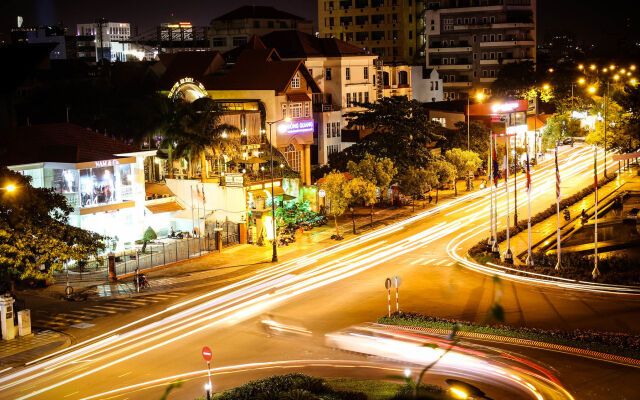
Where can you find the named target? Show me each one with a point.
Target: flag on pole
(595, 170)
(496, 167)
(204, 200)
(198, 190)
(505, 171)
(528, 174)
(557, 177)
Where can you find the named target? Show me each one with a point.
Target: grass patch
(374, 390)
(621, 344)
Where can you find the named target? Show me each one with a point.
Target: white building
(109, 38)
(345, 75)
(426, 85)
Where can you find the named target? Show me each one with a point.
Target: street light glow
(581, 81)
(546, 86)
(612, 67)
(604, 70)
(11, 188)
(480, 96)
(592, 89)
(592, 67)
(550, 69)
(580, 67)
(633, 67)
(616, 77)
(459, 394)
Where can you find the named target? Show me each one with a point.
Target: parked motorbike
(142, 282)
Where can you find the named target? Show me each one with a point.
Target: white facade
(426, 85)
(108, 39)
(329, 130)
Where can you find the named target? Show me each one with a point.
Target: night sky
(588, 20)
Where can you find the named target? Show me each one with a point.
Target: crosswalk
(82, 318)
(430, 261)
(159, 284)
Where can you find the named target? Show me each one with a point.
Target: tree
(148, 236)
(361, 191)
(378, 172)
(35, 236)
(478, 138)
(337, 193)
(414, 182)
(561, 126)
(465, 162)
(441, 172)
(514, 79)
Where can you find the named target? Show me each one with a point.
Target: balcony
(456, 84)
(509, 43)
(487, 80)
(436, 50)
(506, 25)
(449, 67)
(325, 107)
(504, 61)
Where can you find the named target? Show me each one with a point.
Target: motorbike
(142, 282)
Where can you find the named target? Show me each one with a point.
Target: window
(499, 55)
(359, 97)
(328, 129)
(362, 36)
(283, 25)
(410, 17)
(459, 21)
(327, 74)
(410, 34)
(475, 56)
(445, 61)
(410, 51)
(362, 19)
(366, 97)
(499, 37)
(365, 72)
(484, 38)
(484, 73)
(239, 41)
(436, 85)
(338, 130)
(377, 35)
(432, 85)
(493, 73)
(256, 24)
(347, 73)
(451, 43)
(295, 81)
(492, 38)
(284, 110)
(475, 38)
(492, 56)
(306, 109)
(270, 23)
(293, 157)
(219, 42)
(334, 131)
(311, 72)
(492, 20)
(348, 99)
(295, 110)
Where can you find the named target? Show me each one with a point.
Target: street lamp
(580, 67)
(592, 89)
(479, 96)
(274, 257)
(592, 67)
(9, 188)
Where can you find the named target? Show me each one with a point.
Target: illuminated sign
(304, 126)
(579, 114)
(504, 107)
(321, 193)
(185, 81)
(106, 163)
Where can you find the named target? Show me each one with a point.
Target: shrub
(279, 387)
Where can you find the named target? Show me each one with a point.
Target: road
(334, 288)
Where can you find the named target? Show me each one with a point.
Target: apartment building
(468, 41)
(391, 29)
(236, 27)
(110, 38)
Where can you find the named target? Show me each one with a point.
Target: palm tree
(194, 128)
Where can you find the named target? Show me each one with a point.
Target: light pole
(274, 257)
(479, 96)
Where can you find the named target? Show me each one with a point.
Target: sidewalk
(541, 233)
(22, 349)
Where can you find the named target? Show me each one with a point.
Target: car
(568, 141)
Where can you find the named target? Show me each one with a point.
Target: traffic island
(609, 346)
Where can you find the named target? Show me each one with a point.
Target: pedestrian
(430, 198)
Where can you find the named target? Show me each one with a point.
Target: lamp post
(479, 97)
(274, 257)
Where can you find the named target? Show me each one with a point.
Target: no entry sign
(206, 353)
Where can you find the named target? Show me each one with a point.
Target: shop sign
(233, 180)
(106, 163)
(505, 107)
(321, 193)
(304, 126)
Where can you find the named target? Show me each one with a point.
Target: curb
(631, 362)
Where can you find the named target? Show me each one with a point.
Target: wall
(421, 89)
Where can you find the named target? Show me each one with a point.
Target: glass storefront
(106, 185)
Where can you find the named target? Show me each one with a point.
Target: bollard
(112, 267)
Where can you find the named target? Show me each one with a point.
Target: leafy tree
(35, 236)
(361, 191)
(415, 181)
(148, 236)
(478, 138)
(378, 172)
(465, 162)
(561, 126)
(337, 193)
(443, 171)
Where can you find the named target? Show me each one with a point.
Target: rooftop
(296, 44)
(66, 143)
(260, 12)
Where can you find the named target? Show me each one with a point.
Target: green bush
(279, 387)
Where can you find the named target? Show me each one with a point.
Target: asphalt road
(335, 288)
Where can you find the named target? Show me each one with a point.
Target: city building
(110, 39)
(392, 29)
(101, 178)
(235, 28)
(169, 38)
(345, 75)
(50, 34)
(426, 84)
(469, 42)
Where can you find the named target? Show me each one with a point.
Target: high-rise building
(110, 39)
(392, 29)
(236, 27)
(468, 41)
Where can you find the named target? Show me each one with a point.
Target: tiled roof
(66, 143)
(260, 69)
(298, 97)
(194, 64)
(261, 12)
(296, 44)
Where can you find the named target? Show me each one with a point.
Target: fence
(156, 254)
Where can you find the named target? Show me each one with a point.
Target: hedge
(621, 344)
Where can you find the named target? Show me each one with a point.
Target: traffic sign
(322, 193)
(387, 283)
(206, 353)
(397, 281)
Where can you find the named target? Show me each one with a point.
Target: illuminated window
(295, 110)
(306, 109)
(293, 158)
(284, 111)
(295, 82)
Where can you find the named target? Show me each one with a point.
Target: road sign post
(387, 285)
(207, 355)
(396, 283)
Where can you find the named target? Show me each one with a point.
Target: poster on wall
(97, 186)
(65, 180)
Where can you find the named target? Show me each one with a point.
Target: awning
(298, 97)
(277, 191)
(168, 206)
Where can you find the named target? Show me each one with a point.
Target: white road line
(439, 263)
